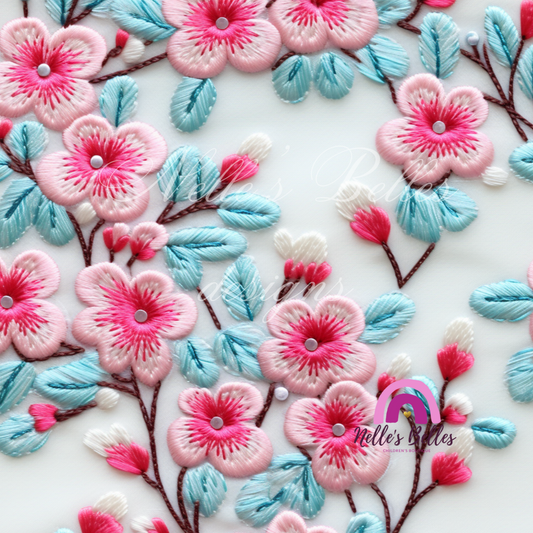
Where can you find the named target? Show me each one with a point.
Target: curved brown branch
(129, 70)
(207, 303)
(386, 510)
(266, 406)
(69, 350)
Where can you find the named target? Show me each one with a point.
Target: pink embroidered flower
(48, 74)
(212, 32)
(128, 320)
(313, 349)
(221, 429)
(104, 165)
(146, 239)
(437, 134)
(309, 25)
(290, 522)
(338, 427)
(33, 325)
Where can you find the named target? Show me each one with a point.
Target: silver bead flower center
(222, 23)
(141, 316)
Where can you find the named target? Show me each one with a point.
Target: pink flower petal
(345, 310)
(93, 283)
(146, 239)
(358, 364)
(14, 100)
(86, 327)
(354, 396)
(299, 419)
(472, 100)
(38, 273)
(245, 399)
(84, 128)
(358, 24)
(184, 450)
(281, 317)
(130, 458)
(193, 401)
(472, 163)
(152, 362)
(287, 522)
(419, 88)
(21, 32)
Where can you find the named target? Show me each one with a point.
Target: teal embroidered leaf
(16, 381)
(187, 175)
(521, 161)
(507, 300)
(192, 104)
(27, 140)
(58, 9)
(525, 73)
(439, 44)
(206, 485)
(495, 433)
(74, 384)
(5, 168)
(52, 222)
(18, 436)
(502, 35)
(118, 99)
(392, 11)
(18, 206)
(196, 361)
(248, 211)
(242, 291)
(143, 18)
(333, 76)
(210, 243)
(365, 523)
(185, 266)
(458, 210)
(97, 7)
(386, 317)
(292, 79)
(519, 376)
(237, 348)
(381, 59)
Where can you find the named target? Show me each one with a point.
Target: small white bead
(97, 162)
(217, 422)
(472, 38)
(222, 23)
(339, 430)
(44, 70)
(311, 344)
(439, 127)
(6, 302)
(106, 398)
(281, 393)
(141, 316)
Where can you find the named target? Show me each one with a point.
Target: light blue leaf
(5, 168)
(495, 433)
(242, 291)
(255, 506)
(519, 376)
(365, 523)
(185, 266)
(392, 11)
(52, 223)
(58, 9)
(97, 7)
(386, 317)
(248, 211)
(206, 485)
(419, 214)
(196, 361)
(333, 76)
(525, 73)
(118, 99)
(74, 384)
(502, 35)
(18, 206)
(192, 103)
(507, 300)
(16, 380)
(210, 243)
(187, 175)
(27, 140)
(432, 387)
(382, 58)
(237, 348)
(521, 161)
(439, 44)
(292, 79)
(458, 210)
(143, 18)
(18, 436)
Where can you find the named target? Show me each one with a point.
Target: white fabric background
(44, 491)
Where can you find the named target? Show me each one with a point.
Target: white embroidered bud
(400, 366)
(310, 248)
(463, 444)
(256, 147)
(460, 331)
(133, 51)
(283, 243)
(106, 398)
(113, 503)
(461, 403)
(84, 213)
(99, 441)
(351, 196)
(495, 177)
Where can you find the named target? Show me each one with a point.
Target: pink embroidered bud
(256, 147)
(449, 469)
(94, 522)
(146, 239)
(5, 127)
(148, 525)
(122, 38)
(317, 274)
(237, 168)
(44, 416)
(292, 271)
(526, 19)
(460, 331)
(384, 381)
(439, 3)
(352, 196)
(456, 409)
(453, 362)
(112, 504)
(373, 226)
(119, 450)
(116, 238)
(398, 369)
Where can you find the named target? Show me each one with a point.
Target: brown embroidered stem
(390, 83)
(415, 11)
(266, 406)
(350, 500)
(305, 453)
(410, 507)
(134, 68)
(111, 256)
(114, 52)
(285, 288)
(181, 502)
(383, 499)
(443, 394)
(350, 54)
(132, 260)
(70, 13)
(81, 16)
(282, 60)
(209, 308)
(308, 288)
(25, 8)
(117, 387)
(270, 3)
(513, 71)
(196, 517)
(81, 238)
(512, 112)
(165, 212)
(122, 379)
(70, 349)
(98, 225)
(67, 414)
(199, 205)
(421, 261)
(16, 164)
(394, 263)
(426, 186)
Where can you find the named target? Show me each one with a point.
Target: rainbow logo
(419, 409)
